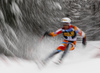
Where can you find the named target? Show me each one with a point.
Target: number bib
(69, 33)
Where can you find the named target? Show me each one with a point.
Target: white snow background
(81, 60)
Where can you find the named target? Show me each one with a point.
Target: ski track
(81, 60)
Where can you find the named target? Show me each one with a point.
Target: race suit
(70, 36)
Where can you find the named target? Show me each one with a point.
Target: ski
(57, 63)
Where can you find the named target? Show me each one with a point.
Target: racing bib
(72, 34)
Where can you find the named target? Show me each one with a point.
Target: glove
(47, 33)
(84, 41)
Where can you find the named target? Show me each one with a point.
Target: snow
(15, 9)
(1, 16)
(81, 60)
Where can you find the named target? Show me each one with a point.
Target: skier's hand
(84, 41)
(47, 33)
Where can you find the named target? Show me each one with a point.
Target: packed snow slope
(81, 60)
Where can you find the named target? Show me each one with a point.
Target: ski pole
(43, 36)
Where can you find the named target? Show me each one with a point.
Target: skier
(70, 37)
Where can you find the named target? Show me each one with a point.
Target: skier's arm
(59, 31)
(83, 35)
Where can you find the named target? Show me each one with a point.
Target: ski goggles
(66, 24)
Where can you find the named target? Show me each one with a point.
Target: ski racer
(70, 37)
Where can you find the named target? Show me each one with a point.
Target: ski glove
(84, 41)
(47, 33)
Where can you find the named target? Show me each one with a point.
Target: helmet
(66, 20)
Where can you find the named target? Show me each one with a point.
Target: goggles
(66, 24)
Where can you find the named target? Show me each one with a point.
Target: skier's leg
(65, 51)
(52, 54)
(60, 48)
(63, 48)
(73, 45)
(70, 46)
